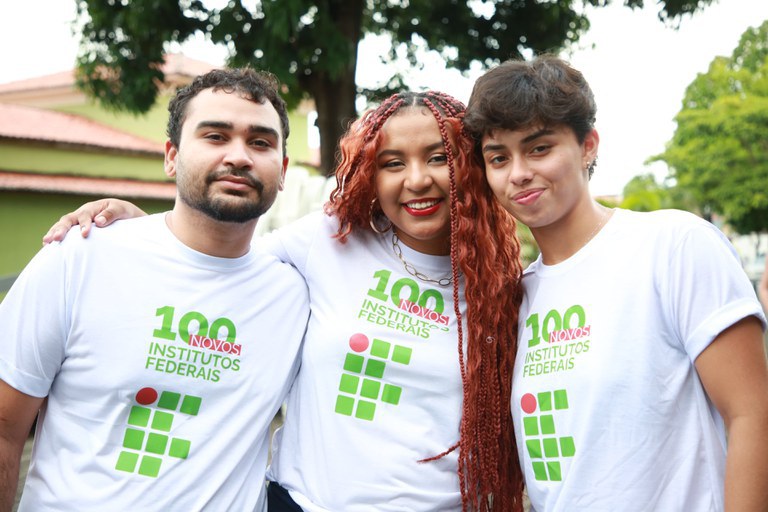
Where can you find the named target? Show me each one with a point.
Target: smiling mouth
(527, 197)
(422, 206)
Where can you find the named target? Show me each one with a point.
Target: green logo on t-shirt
(146, 440)
(558, 342)
(545, 449)
(361, 384)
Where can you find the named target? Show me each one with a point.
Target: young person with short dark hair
(640, 337)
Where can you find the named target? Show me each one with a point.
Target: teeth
(422, 205)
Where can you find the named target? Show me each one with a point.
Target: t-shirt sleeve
(708, 289)
(34, 319)
(292, 243)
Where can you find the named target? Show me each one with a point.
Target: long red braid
(485, 252)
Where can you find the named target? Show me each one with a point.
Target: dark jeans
(278, 499)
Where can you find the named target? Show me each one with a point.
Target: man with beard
(158, 352)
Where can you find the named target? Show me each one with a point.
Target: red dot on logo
(146, 396)
(528, 403)
(358, 342)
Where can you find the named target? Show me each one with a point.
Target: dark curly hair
(257, 86)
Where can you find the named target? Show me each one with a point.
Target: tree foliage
(719, 152)
(644, 194)
(312, 45)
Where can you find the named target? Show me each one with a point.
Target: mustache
(243, 174)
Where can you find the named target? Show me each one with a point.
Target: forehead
(409, 121)
(530, 132)
(234, 108)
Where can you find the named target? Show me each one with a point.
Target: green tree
(719, 152)
(312, 45)
(644, 194)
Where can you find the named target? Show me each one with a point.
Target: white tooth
(422, 205)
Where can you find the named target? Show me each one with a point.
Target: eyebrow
(535, 135)
(431, 147)
(253, 128)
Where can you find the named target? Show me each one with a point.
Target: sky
(637, 67)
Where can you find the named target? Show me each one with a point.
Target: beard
(230, 206)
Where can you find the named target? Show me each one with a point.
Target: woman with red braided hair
(401, 402)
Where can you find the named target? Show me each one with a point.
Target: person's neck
(209, 236)
(562, 239)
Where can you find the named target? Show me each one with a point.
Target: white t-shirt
(608, 409)
(379, 387)
(163, 369)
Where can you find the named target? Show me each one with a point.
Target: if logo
(361, 385)
(146, 441)
(544, 447)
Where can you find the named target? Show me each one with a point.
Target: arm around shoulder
(292, 243)
(102, 212)
(734, 372)
(17, 412)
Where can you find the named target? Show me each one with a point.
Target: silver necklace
(445, 281)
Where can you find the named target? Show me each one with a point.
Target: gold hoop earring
(374, 216)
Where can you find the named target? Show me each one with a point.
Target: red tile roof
(176, 65)
(61, 79)
(100, 187)
(29, 123)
